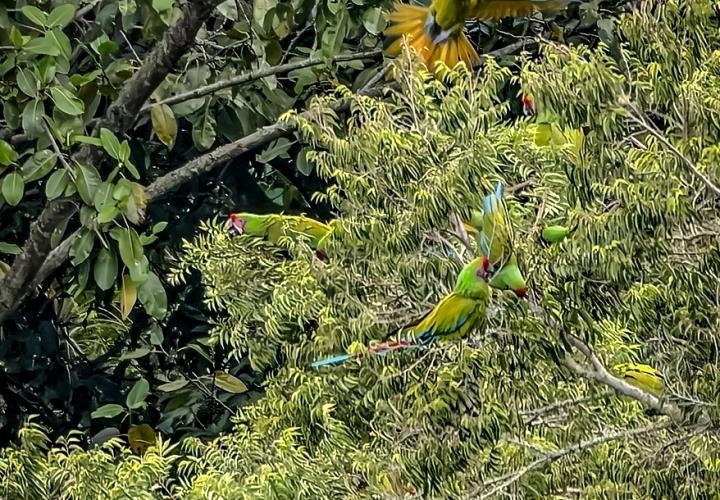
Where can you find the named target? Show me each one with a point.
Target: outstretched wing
(496, 241)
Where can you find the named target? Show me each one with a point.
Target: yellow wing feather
(452, 318)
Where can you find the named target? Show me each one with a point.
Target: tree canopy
(215, 365)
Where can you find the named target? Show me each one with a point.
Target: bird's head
(528, 105)
(237, 222)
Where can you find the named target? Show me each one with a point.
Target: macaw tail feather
(409, 21)
(332, 360)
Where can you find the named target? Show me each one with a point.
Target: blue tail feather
(332, 360)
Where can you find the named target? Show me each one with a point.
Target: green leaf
(162, 5)
(66, 101)
(152, 295)
(103, 196)
(156, 334)
(9, 248)
(173, 386)
(283, 20)
(110, 143)
(84, 139)
(28, 82)
(136, 353)
(105, 269)
(107, 214)
(45, 45)
(374, 21)
(108, 411)
(159, 227)
(127, 7)
(304, 165)
(13, 188)
(35, 15)
(138, 393)
(56, 184)
(228, 9)
(81, 247)
(32, 118)
(7, 153)
(228, 383)
(87, 180)
(16, 37)
(275, 149)
(131, 253)
(164, 124)
(203, 131)
(39, 165)
(61, 16)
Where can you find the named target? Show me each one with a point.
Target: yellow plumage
(436, 33)
(644, 377)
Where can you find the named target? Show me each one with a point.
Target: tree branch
(598, 373)
(509, 479)
(251, 76)
(120, 115)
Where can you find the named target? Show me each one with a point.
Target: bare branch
(251, 76)
(509, 479)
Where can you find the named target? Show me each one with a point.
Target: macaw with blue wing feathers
(452, 318)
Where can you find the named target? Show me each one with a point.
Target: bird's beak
(436, 34)
(237, 224)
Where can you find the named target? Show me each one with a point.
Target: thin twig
(258, 74)
(509, 479)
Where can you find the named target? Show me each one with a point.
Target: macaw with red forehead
(459, 312)
(272, 226)
(494, 234)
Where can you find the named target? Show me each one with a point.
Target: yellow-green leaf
(228, 383)
(128, 296)
(164, 124)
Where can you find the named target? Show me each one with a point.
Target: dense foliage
(623, 150)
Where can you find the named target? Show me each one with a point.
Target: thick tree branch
(251, 76)
(23, 274)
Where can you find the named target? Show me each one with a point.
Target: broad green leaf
(275, 149)
(283, 20)
(374, 21)
(110, 143)
(28, 82)
(7, 153)
(127, 7)
(156, 334)
(62, 41)
(87, 180)
(152, 295)
(203, 131)
(107, 213)
(46, 45)
(66, 101)
(124, 151)
(164, 124)
(107, 411)
(141, 352)
(128, 296)
(103, 196)
(173, 386)
(56, 184)
(32, 118)
(16, 37)
(159, 227)
(229, 383)
(228, 9)
(105, 268)
(82, 246)
(131, 253)
(138, 393)
(9, 248)
(60, 16)
(35, 15)
(304, 165)
(13, 188)
(39, 165)
(162, 5)
(84, 139)
(199, 349)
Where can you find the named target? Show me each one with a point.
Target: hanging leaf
(173, 386)
(105, 269)
(138, 393)
(164, 124)
(110, 143)
(141, 437)
(66, 101)
(152, 295)
(13, 188)
(128, 296)
(56, 184)
(87, 181)
(229, 383)
(32, 118)
(131, 253)
(82, 246)
(107, 411)
(203, 132)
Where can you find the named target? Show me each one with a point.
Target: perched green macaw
(644, 377)
(493, 231)
(272, 226)
(452, 318)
